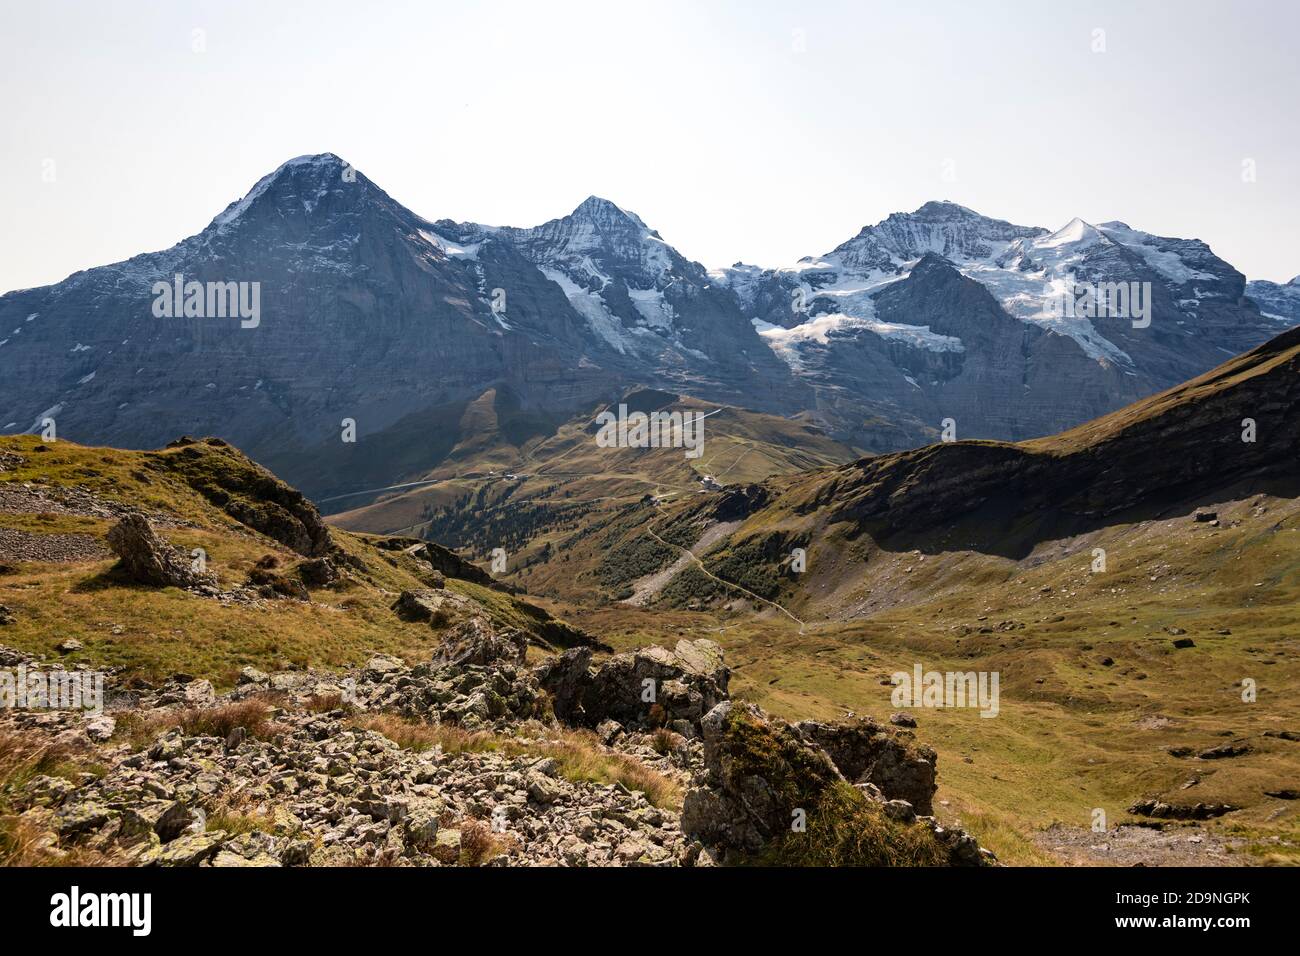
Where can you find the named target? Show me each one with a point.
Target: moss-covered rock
(774, 797)
(248, 493)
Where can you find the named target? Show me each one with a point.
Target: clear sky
(755, 131)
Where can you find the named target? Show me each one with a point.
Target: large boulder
(566, 678)
(149, 559)
(437, 606)
(319, 573)
(758, 773)
(771, 794)
(477, 642)
(867, 752)
(652, 686)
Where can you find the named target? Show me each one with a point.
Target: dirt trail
(646, 589)
(710, 537)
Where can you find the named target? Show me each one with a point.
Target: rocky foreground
(471, 758)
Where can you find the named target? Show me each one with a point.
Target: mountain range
(374, 315)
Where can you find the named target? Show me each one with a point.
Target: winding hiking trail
(647, 588)
(660, 578)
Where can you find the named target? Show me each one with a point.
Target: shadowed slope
(1003, 498)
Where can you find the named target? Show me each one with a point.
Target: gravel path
(28, 499)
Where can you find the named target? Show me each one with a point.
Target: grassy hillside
(52, 494)
(532, 499)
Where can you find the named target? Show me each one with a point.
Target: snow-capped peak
(1180, 261)
(601, 211)
(1076, 233)
(940, 209)
(596, 240)
(953, 231)
(322, 168)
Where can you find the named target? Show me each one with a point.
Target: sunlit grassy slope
(161, 631)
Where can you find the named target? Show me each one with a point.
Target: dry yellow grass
(582, 760)
(25, 755)
(420, 736)
(479, 845)
(140, 728)
(579, 756)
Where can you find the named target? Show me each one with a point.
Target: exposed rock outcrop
(651, 686)
(149, 559)
(319, 573)
(567, 677)
(770, 794)
(320, 783)
(437, 606)
(866, 752)
(478, 643)
(476, 679)
(447, 562)
(248, 493)
(1159, 810)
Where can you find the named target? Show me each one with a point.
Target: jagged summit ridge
(946, 228)
(319, 170)
(603, 212)
(935, 313)
(1279, 302)
(388, 313)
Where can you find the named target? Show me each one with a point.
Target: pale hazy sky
(755, 131)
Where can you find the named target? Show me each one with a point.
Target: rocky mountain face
(341, 338)
(645, 301)
(365, 313)
(1275, 300)
(1234, 424)
(950, 314)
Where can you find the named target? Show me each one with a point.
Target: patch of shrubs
(754, 565)
(691, 586)
(634, 558)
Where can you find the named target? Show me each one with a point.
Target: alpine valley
(487, 633)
